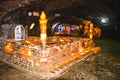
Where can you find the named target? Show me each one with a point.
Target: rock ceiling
(91, 9)
(98, 11)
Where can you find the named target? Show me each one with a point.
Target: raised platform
(60, 55)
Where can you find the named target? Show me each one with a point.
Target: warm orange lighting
(43, 16)
(91, 25)
(53, 39)
(91, 31)
(43, 36)
(25, 52)
(86, 29)
(67, 28)
(8, 48)
(28, 42)
(49, 62)
(61, 40)
(97, 32)
(81, 26)
(43, 30)
(29, 53)
(81, 49)
(37, 63)
(37, 40)
(91, 36)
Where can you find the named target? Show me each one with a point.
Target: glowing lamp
(91, 31)
(61, 40)
(28, 42)
(32, 25)
(29, 53)
(90, 36)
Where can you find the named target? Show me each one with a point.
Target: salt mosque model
(46, 57)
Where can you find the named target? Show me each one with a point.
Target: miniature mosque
(46, 57)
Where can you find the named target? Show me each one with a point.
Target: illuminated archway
(61, 29)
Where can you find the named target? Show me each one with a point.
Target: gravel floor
(103, 66)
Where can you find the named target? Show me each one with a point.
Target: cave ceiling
(93, 10)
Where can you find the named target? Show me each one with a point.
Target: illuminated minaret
(43, 30)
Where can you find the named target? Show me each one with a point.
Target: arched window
(19, 33)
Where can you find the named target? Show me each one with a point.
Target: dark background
(93, 10)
